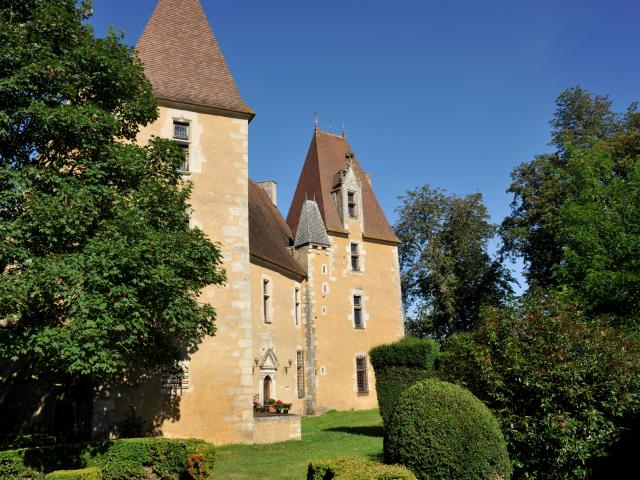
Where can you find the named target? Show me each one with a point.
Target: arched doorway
(266, 388)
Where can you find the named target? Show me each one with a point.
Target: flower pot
(271, 409)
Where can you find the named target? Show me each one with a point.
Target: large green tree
(574, 217)
(99, 270)
(447, 272)
(540, 187)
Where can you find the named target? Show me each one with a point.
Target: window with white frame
(181, 137)
(355, 257)
(266, 300)
(362, 375)
(357, 312)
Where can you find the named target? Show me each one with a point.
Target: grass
(336, 433)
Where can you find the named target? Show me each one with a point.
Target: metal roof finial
(315, 121)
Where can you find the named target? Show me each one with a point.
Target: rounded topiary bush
(442, 431)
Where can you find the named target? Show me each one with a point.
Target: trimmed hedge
(354, 468)
(21, 440)
(442, 431)
(119, 459)
(91, 473)
(400, 365)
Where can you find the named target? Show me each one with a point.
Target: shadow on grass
(367, 431)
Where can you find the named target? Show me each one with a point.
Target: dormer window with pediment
(347, 192)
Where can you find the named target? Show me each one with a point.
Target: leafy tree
(540, 187)
(600, 229)
(565, 388)
(99, 268)
(447, 272)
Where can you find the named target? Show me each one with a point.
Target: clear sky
(453, 93)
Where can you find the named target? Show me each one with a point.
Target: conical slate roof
(183, 60)
(311, 227)
(327, 157)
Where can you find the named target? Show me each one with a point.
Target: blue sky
(452, 93)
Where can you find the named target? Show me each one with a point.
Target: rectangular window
(351, 202)
(177, 380)
(296, 301)
(355, 257)
(185, 150)
(180, 131)
(357, 312)
(300, 373)
(362, 375)
(266, 301)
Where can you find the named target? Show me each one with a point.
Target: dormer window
(352, 205)
(181, 137)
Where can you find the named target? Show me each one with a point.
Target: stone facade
(296, 319)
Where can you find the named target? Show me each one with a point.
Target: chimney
(271, 188)
(368, 177)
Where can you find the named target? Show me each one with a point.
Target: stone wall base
(280, 428)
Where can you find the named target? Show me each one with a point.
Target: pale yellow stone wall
(218, 405)
(282, 335)
(333, 285)
(277, 429)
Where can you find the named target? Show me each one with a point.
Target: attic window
(352, 205)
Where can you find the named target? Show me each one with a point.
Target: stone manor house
(306, 297)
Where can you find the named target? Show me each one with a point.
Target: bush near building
(400, 365)
(442, 431)
(355, 468)
(119, 459)
(91, 473)
(566, 390)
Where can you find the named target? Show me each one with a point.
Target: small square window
(181, 131)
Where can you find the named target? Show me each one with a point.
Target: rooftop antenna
(344, 130)
(315, 120)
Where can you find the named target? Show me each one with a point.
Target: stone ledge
(277, 428)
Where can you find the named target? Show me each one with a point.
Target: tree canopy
(99, 268)
(574, 218)
(447, 272)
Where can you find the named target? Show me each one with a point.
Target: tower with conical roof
(345, 243)
(202, 110)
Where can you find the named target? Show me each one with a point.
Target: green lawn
(336, 433)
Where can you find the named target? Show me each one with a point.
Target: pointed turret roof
(183, 60)
(311, 227)
(327, 157)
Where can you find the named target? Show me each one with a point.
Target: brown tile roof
(327, 157)
(269, 234)
(183, 60)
